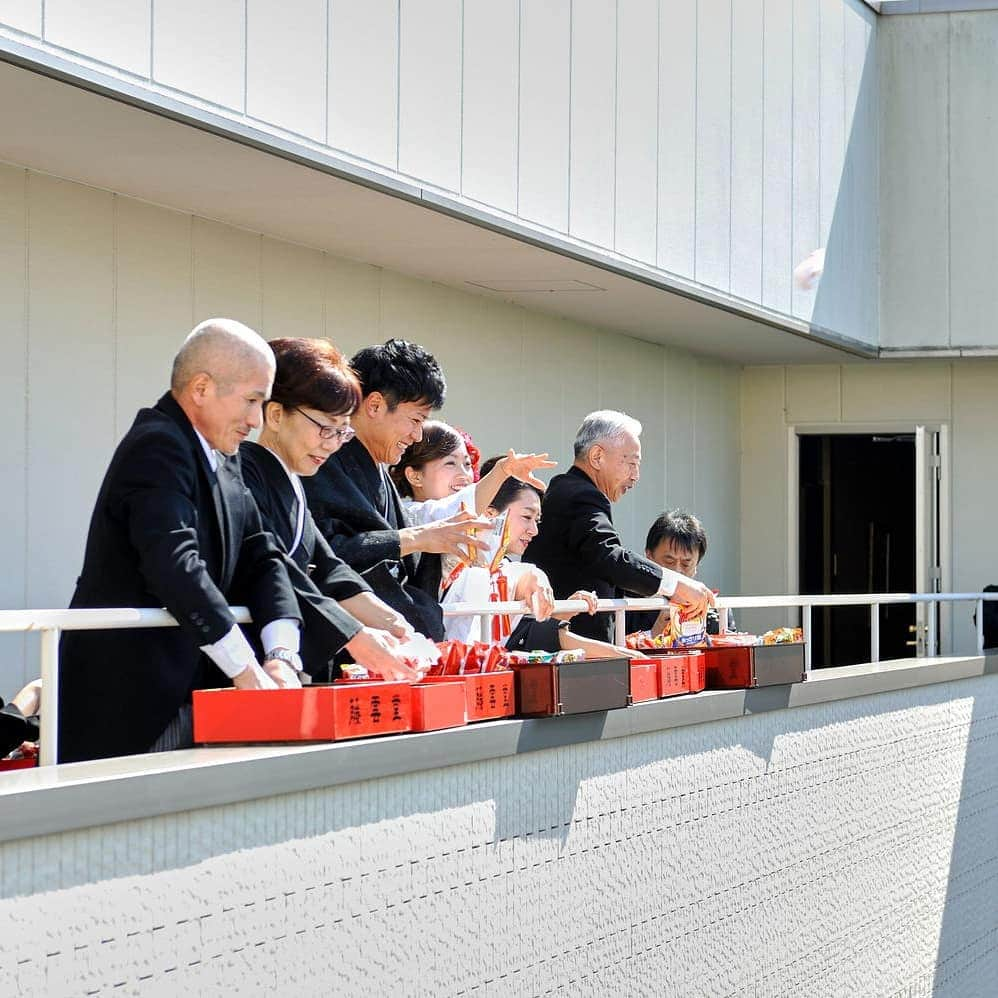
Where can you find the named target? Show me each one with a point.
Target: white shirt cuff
(281, 634)
(670, 579)
(232, 653)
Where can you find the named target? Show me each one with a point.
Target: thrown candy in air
(807, 273)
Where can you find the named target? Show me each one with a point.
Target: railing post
(930, 637)
(874, 632)
(980, 627)
(49, 709)
(805, 623)
(620, 627)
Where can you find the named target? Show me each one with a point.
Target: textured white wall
(720, 141)
(846, 849)
(97, 292)
(962, 395)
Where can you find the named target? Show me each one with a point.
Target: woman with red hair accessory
(436, 476)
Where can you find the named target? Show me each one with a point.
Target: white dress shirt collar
(209, 451)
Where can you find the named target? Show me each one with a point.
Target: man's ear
(596, 455)
(198, 387)
(374, 404)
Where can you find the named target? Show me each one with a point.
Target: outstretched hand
(523, 466)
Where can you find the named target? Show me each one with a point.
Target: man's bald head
(221, 377)
(225, 349)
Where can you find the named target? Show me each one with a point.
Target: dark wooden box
(756, 665)
(546, 689)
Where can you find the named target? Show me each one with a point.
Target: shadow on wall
(967, 956)
(847, 299)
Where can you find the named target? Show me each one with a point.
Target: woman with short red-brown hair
(307, 418)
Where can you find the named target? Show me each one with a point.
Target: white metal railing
(51, 623)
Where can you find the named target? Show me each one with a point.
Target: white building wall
(721, 142)
(843, 849)
(962, 395)
(940, 85)
(97, 292)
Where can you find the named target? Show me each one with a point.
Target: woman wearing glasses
(306, 419)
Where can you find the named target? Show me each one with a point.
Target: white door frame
(795, 430)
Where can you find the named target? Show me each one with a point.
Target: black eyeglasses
(327, 432)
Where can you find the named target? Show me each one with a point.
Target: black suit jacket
(319, 577)
(578, 548)
(358, 510)
(166, 531)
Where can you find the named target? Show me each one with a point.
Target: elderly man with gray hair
(578, 546)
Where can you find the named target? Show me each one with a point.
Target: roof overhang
(63, 119)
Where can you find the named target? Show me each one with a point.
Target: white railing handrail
(51, 623)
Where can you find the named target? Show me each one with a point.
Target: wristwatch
(286, 656)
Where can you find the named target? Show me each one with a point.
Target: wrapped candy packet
(459, 659)
(682, 631)
(733, 639)
(783, 636)
(534, 657)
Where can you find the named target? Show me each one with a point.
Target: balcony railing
(51, 623)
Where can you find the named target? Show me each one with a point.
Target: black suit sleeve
(333, 575)
(592, 537)
(155, 501)
(361, 549)
(262, 571)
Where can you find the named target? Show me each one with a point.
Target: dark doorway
(857, 535)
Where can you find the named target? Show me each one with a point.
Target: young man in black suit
(578, 546)
(355, 503)
(174, 526)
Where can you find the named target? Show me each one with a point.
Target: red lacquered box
(318, 713)
(680, 672)
(754, 665)
(674, 674)
(644, 680)
(437, 705)
(488, 694)
(6, 765)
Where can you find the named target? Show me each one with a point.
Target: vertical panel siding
(113, 31)
(490, 96)
(681, 385)
(70, 357)
(747, 113)
(14, 405)
(972, 155)
(292, 290)
(717, 154)
(199, 48)
(806, 156)
(637, 139)
(154, 302)
(544, 111)
(286, 54)
(22, 15)
(593, 125)
(713, 198)
(831, 111)
(677, 130)
(363, 79)
(226, 273)
(430, 52)
(914, 198)
(777, 194)
(854, 239)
